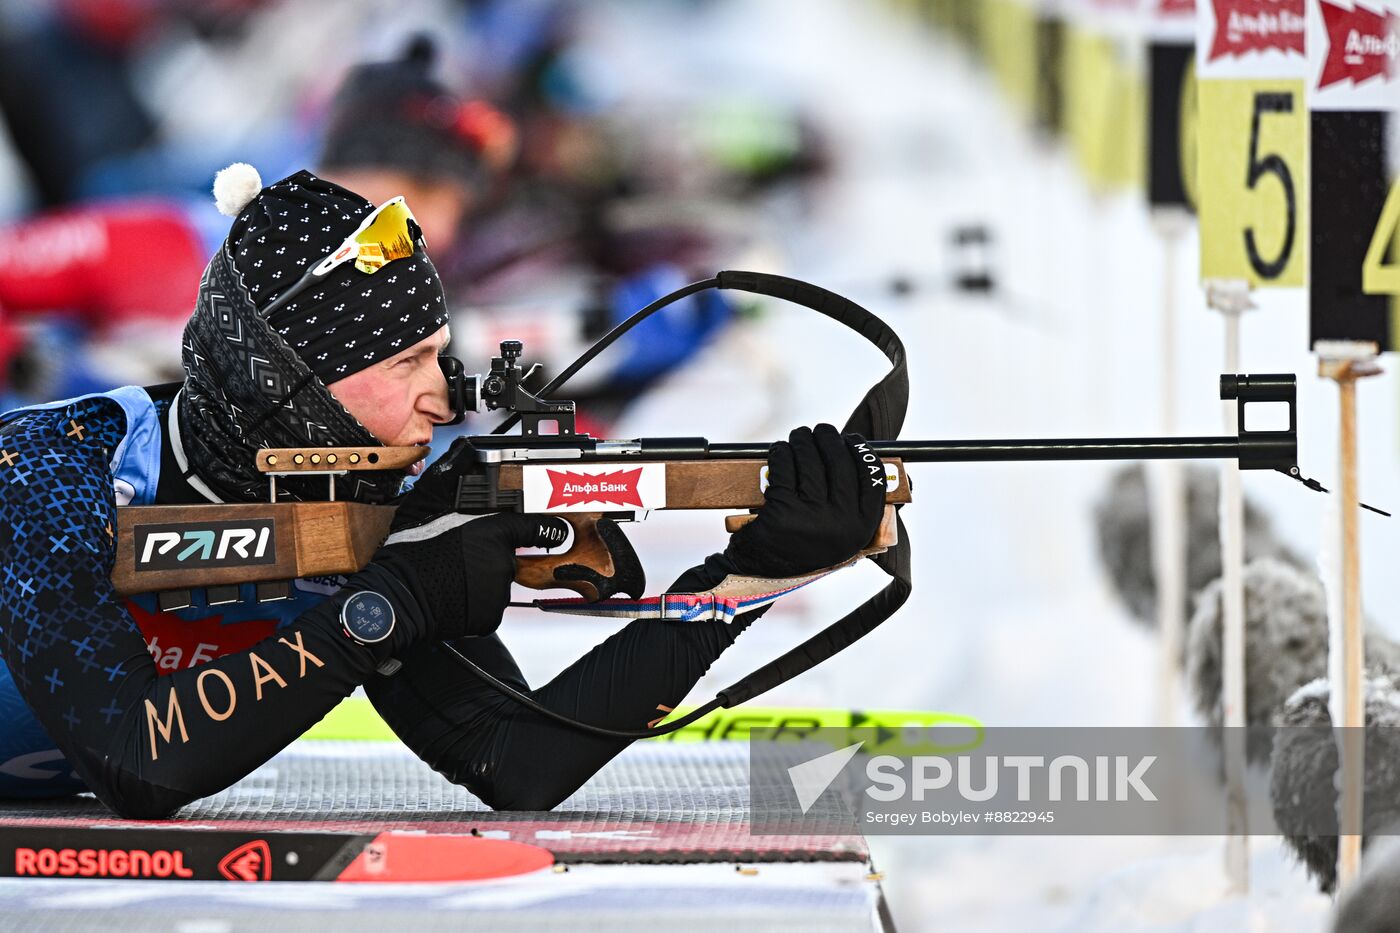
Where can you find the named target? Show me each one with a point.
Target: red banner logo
(1244, 26)
(1362, 44)
(1176, 7)
(251, 861)
(176, 643)
(616, 488)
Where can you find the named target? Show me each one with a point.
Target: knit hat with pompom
(253, 382)
(349, 320)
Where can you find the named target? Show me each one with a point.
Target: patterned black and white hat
(251, 382)
(350, 320)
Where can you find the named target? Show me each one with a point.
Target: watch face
(367, 617)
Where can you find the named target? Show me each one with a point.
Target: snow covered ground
(1012, 620)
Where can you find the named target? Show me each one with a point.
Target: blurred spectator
(122, 275)
(83, 107)
(120, 278)
(570, 203)
(105, 266)
(395, 129)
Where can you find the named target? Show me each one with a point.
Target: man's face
(399, 399)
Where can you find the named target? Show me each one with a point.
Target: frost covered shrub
(1372, 904)
(1125, 537)
(1303, 786)
(1285, 645)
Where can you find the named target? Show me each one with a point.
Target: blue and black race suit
(150, 710)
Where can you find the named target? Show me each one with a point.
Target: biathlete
(151, 709)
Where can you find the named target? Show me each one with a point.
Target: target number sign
(1105, 94)
(1252, 141)
(1354, 102)
(1171, 103)
(1380, 268)
(1252, 138)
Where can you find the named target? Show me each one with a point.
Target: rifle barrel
(1255, 450)
(1105, 448)
(1098, 448)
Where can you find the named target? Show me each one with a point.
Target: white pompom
(234, 187)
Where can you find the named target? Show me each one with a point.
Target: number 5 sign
(1354, 85)
(1252, 141)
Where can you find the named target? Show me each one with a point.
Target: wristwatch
(367, 617)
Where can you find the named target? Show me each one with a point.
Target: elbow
(142, 808)
(506, 791)
(520, 799)
(132, 798)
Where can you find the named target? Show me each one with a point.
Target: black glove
(460, 576)
(825, 497)
(458, 568)
(435, 492)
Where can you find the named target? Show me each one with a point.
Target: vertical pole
(1098, 313)
(1353, 757)
(1169, 569)
(1232, 681)
(1345, 362)
(1169, 499)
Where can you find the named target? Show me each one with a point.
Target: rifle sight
(503, 389)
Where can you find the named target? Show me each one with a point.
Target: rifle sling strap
(880, 414)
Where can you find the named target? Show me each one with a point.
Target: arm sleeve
(145, 744)
(512, 757)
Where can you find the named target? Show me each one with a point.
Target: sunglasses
(390, 232)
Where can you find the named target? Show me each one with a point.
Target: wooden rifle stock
(184, 547)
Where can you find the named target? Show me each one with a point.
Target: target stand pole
(1169, 569)
(1168, 491)
(1231, 298)
(1344, 362)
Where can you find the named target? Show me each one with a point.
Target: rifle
(594, 482)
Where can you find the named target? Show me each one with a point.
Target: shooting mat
(657, 836)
